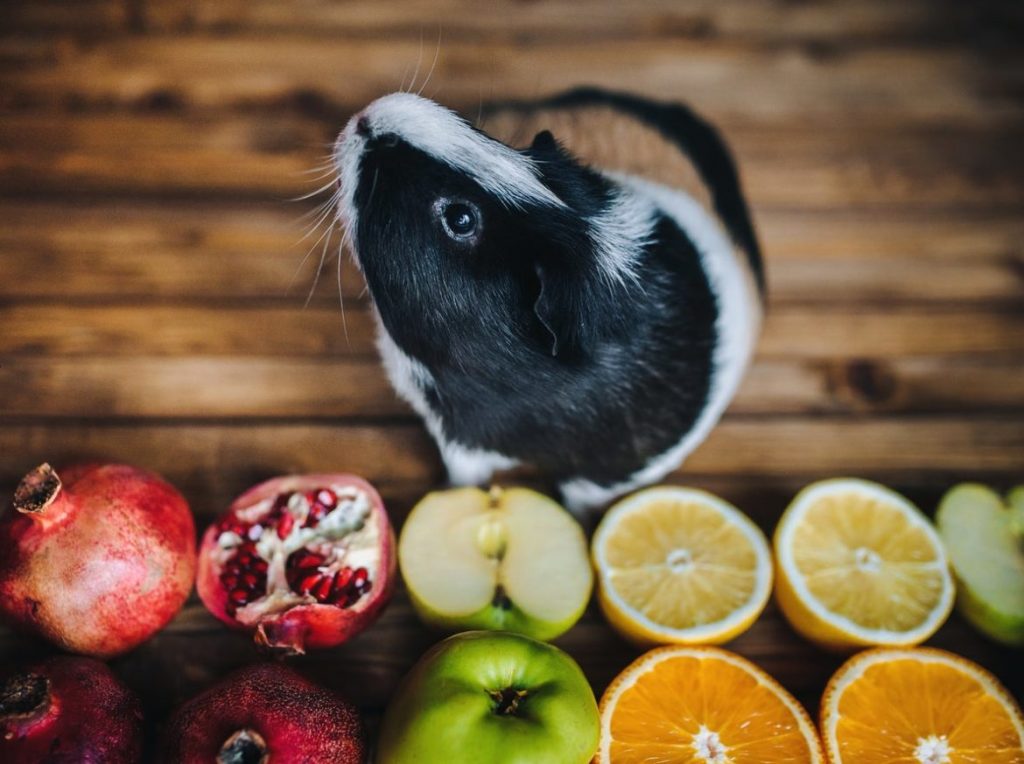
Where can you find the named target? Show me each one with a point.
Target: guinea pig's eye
(461, 220)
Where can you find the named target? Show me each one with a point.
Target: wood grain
(152, 283)
(817, 166)
(240, 327)
(258, 387)
(731, 81)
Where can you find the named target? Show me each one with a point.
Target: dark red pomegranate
(69, 709)
(97, 562)
(304, 561)
(264, 713)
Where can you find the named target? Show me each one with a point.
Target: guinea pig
(579, 289)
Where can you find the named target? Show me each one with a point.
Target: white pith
(708, 747)
(933, 749)
(795, 514)
(449, 554)
(342, 536)
(649, 662)
(763, 570)
(855, 668)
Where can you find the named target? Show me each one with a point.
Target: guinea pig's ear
(544, 141)
(545, 308)
(563, 309)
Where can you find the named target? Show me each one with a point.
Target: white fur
(501, 171)
(465, 466)
(621, 231)
(739, 320)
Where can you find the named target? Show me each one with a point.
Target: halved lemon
(702, 705)
(919, 706)
(678, 565)
(859, 565)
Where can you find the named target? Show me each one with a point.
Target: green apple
(508, 560)
(485, 697)
(985, 539)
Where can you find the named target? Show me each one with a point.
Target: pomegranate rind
(88, 716)
(297, 720)
(104, 566)
(305, 626)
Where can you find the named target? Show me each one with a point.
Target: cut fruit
(510, 560)
(987, 553)
(919, 706)
(859, 565)
(678, 565)
(702, 705)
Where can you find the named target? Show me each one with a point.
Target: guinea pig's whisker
(437, 52)
(373, 185)
(320, 267)
(419, 60)
(341, 296)
(325, 187)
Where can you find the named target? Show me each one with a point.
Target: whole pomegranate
(304, 561)
(97, 562)
(264, 713)
(69, 709)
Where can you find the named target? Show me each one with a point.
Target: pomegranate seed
(285, 525)
(343, 578)
(239, 596)
(322, 590)
(327, 498)
(308, 583)
(361, 575)
(250, 580)
(260, 565)
(230, 580)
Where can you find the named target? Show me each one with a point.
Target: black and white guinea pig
(578, 289)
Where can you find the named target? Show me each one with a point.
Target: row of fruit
(101, 557)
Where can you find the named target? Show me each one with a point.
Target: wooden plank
(762, 21)
(321, 388)
(252, 250)
(80, 17)
(798, 166)
(729, 81)
(236, 327)
(208, 457)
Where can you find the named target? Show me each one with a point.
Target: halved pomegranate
(304, 561)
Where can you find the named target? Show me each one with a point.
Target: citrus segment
(680, 565)
(702, 705)
(919, 706)
(859, 565)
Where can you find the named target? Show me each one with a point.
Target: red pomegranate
(264, 713)
(97, 562)
(304, 561)
(69, 709)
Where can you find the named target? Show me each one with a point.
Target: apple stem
(246, 746)
(506, 701)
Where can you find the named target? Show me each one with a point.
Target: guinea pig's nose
(363, 126)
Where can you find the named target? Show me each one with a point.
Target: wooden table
(148, 149)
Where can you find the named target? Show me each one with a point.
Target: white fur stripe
(503, 172)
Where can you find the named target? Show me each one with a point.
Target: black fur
(534, 352)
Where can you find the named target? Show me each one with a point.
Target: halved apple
(508, 560)
(984, 536)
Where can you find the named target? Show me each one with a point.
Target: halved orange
(702, 705)
(919, 706)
